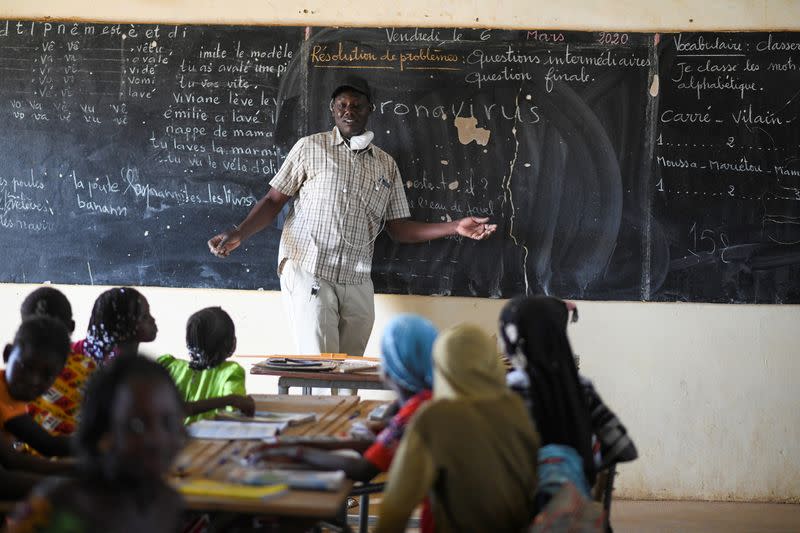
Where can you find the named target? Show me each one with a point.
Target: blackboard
(619, 166)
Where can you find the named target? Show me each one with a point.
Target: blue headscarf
(406, 349)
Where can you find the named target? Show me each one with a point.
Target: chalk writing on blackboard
(619, 165)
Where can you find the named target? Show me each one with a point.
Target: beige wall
(709, 392)
(562, 14)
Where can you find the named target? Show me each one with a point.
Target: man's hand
(475, 228)
(223, 244)
(261, 216)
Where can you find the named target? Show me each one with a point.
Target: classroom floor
(705, 517)
(696, 517)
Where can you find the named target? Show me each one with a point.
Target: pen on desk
(356, 414)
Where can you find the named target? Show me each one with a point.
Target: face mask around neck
(359, 142)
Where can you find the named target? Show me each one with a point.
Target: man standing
(346, 190)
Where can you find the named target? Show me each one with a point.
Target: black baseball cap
(354, 83)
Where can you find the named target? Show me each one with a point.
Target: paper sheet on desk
(219, 429)
(295, 479)
(291, 419)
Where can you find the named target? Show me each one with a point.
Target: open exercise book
(232, 430)
(290, 419)
(295, 479)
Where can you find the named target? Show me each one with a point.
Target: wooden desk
(293, 504)
(334, 416)
(324, 380)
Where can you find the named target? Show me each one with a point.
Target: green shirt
(222, 380)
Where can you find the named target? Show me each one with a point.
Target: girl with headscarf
(406, 361)
(566, 409)
(471, 449)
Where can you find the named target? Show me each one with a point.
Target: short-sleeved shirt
(58, 409)
(9, 407)
(382, 451)
(342, 199)
(222, 380)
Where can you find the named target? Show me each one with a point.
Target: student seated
(567, 411)
(120, 321)
(20, 471)
(57, 409)
(407, 368)
(33, 362)
(208, 381)
(469, 447)
(129, 434)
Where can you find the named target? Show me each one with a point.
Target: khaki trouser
(337, 319)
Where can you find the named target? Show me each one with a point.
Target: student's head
(210, 338)
(350, 106)
(406, 348)
(131, 425)
(36, 357)
(466, 364)
(535, 327)
(534, 335)
(47, 301)
(120, 315)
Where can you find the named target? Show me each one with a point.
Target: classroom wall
(708, 392)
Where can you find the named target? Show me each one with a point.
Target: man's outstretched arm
(409, 231)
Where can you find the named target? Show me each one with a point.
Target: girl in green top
(208, 381)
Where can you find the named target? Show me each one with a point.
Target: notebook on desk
(295, 479)
(272, 417)
(225, 489)
(296, 365)
(232, 430)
